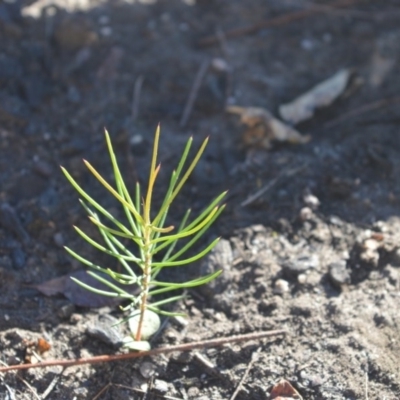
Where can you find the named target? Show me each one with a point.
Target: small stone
(311, 201)
(136, 140)
(80, 393)
(369, 253)
(302, 279)
(181, 321)
(305, 214)
(193, 392)
(281, 286)
(76, 318)
(147, 369)
(171, 335)
(104, 329)
(302, 306)
(219, 65)
(339, 274)
(160, 386)
(299, 265)
(220, 258)
(66, 311)
(58, 239)
(13, 360)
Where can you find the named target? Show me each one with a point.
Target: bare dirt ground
(316, 252)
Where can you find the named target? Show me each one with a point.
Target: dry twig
(143, 392)
(161, 350)
(194, 91)
(285, 173)
(366, 108)
(102, 390)
(136, 96)
(53, 383)
(281, 20)
(254, 358)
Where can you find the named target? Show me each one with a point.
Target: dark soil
(317, 253)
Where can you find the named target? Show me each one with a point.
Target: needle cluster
(144, 244)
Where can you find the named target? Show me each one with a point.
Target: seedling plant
(145, 245)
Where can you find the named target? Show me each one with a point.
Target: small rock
(13, 360)
(104, 330)
(370, 253)
(58, 239)
(66, 311)
(160, 386)
(302, 306)
(293, 268)
(147, 369)
(384, 319)
(220, 257)
(193, 392)
(302, 279)
(171, 335)
(137, 142)
(219, 65)
(311, 201)
(281, 286)
(181, 321)
(76, 319)
(339, 274)
(80, 393)
(305, 214)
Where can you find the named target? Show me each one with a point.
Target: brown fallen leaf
(264, 128)
(42, 346)
(283, 390)
(321, 95)
(34, 349)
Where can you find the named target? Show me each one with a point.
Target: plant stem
(146, 279)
